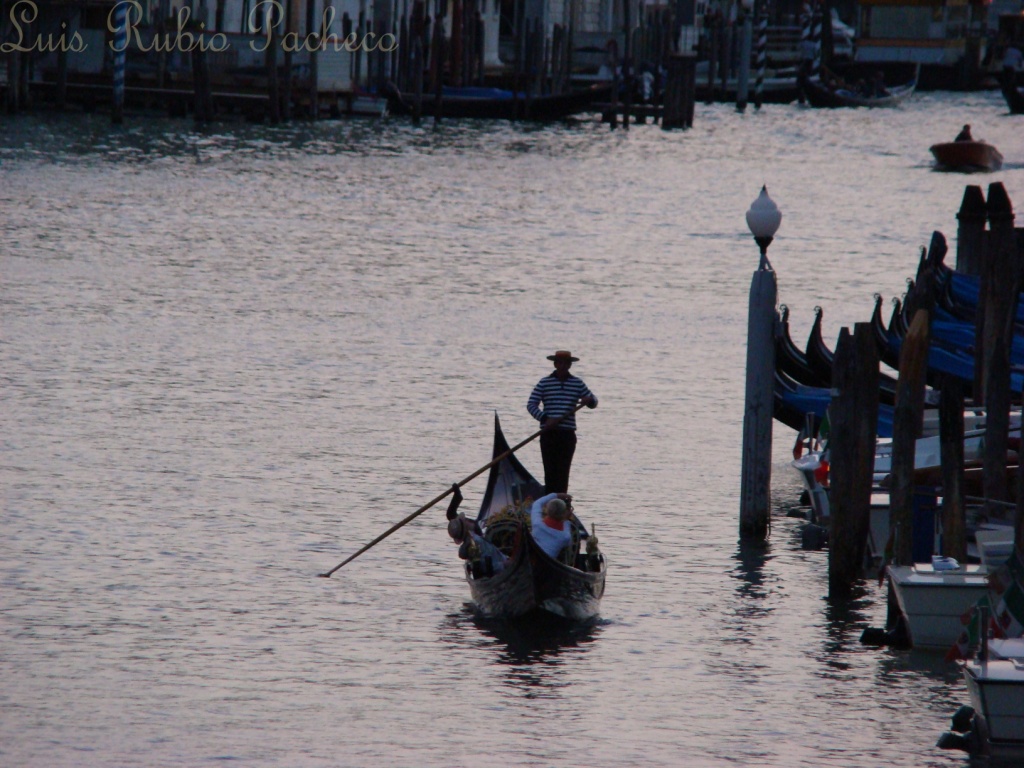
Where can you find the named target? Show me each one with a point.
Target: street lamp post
(764, 218)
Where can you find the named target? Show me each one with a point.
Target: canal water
(232, 356)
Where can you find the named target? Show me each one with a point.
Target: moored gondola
(819, 358)
(790, 359)
(822, 94)
(510, 576)
(498, 104)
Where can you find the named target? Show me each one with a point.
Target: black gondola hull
(534, 581)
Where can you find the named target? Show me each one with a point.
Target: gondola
(819, 95)
(498, 104)
(819, 358)
(793, 402)
(791, 360)
(529, 581)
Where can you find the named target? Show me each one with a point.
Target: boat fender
(963, 741)
(814, 536)
(897, 637)
(874, 636)
(963, 719)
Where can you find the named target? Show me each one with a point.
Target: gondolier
(554, 396)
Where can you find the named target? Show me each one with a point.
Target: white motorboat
(933, 600)
(993, 544)
(994, 723)
(996, 688)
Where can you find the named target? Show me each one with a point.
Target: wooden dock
(676, 106)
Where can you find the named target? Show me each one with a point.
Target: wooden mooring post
(680, 91)
(1003, 271)
(913, 363)
(853, 416)
(203, 105)
(743, 76)
(970, 237)
(270, 62)
(62, 66)
(951, 449)
(759, 403)
(908, 417)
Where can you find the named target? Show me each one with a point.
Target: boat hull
(933, 602)
(967, 156)
(996, 688)
(532, 581)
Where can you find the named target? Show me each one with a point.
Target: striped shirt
(558, 397)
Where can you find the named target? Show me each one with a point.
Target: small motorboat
(967, 156)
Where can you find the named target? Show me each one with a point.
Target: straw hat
(563, 354)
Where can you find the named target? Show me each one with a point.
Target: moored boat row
(940, 601)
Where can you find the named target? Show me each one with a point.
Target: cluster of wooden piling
(673, 108)
(996, 255)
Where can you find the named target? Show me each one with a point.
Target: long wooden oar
(438, 498)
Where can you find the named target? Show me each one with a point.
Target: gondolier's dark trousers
(557, 447)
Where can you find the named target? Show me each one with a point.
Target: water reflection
(924, 669)
(751, 558)
(846, 618)
(533, 649)
(536, 638)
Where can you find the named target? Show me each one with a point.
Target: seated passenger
(965, 134)
(550, 523)
(466, 533)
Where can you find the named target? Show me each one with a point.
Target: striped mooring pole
(816, 40)
(120, 43)
(761, 53)
(805, 42)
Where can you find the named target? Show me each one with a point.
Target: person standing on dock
(556, 395)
